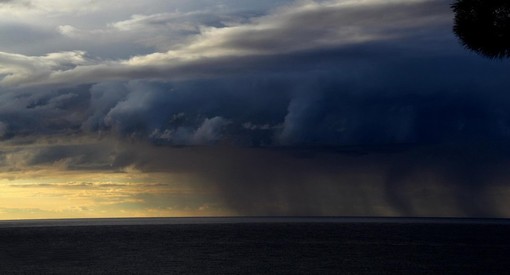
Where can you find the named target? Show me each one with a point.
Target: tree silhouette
(484, 26)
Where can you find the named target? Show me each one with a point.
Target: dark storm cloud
(362, 180)
(324, 108)
(43, 112)
(74, 157)
(374, 101)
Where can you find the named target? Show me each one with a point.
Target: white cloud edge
(272, 34)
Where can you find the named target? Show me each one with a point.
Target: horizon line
(63, 222)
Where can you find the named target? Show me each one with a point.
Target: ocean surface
(274, 245)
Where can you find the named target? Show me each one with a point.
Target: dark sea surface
(256, 246)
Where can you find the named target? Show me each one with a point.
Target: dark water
(256, 247)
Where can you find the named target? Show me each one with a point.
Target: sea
(256, 245)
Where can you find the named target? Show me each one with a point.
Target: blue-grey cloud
(454, 103)
(331, 24)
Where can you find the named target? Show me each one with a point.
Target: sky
(237, 108)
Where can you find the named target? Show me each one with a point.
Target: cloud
(445, 180)
(209, 131)
(160, 31)
(438, 181)
(53, 6)
(24, 3)
(468, 180)
(8, 1)
(261, 113)
(3, 129)
(331, 24)
(17, 68)
(51, 26)
(167, 20)
(372, 104)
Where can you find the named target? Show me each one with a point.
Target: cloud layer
(275, 107)
(330, 24)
